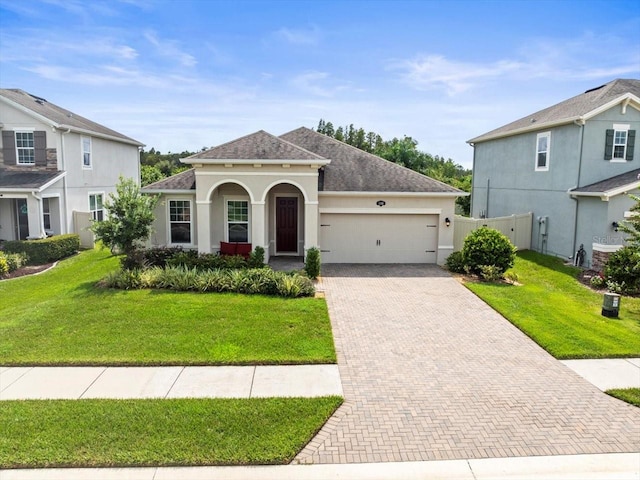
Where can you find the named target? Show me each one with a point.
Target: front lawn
(62, 318)
(114, 433)
(560, 314)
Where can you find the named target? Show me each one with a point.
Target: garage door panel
(378, 238)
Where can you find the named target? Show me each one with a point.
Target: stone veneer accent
(600, 255)
(52, 163)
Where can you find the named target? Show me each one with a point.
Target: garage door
(376, 238)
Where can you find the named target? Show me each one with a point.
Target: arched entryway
(285, 204)
(230, 214)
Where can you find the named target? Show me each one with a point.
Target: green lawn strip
(62, 318)
(114, 433)
(560, 314)
(629, 395)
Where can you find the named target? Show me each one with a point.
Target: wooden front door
(287, 224)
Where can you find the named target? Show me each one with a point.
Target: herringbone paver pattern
(430, 372)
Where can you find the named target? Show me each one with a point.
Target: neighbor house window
(46, 214)
(25, 148)
(86, 152)
(237, 220)
(619, 143)
(95, 207)
(543, 141)
(180, 221)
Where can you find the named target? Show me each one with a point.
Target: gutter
(581, 124)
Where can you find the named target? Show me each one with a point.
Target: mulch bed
(28, 270)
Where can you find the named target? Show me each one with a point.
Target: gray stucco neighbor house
(53, 163)
(302, 190)
(572, 164)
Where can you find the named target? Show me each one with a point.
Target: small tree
(129, 218)
(632, 226)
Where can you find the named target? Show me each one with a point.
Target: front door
(22, 219)
(287, 225)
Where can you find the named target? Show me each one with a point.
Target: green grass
(110, 433)
(560, 314)
(62, 318)
(629, 395)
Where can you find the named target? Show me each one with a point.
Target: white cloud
(307, 37)
(169, 49)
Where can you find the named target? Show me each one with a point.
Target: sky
(182, 75)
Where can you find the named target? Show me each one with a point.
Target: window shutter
(608, 145)
(631, 141)
(9, 147)
(40, 148)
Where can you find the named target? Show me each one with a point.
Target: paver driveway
(431, 372)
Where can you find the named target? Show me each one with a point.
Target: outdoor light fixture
(615, 226)
(447, 222)
(381, 203)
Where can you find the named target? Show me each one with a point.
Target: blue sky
(181, 75)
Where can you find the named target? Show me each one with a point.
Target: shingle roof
(26, 180)
(180, 181)
(353, 170)
(568, 110)
(256, 146)
(622, 180)
(60, 116)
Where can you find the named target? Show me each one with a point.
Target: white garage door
(376, 238)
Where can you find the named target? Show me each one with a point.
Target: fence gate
(81, 224)
(516, 227)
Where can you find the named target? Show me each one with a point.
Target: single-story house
(304, 189)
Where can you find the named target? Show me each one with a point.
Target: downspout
(580, 123)
(65, 224)
(473, 175)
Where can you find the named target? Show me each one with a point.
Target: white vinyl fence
(516, 227)
(81, 224)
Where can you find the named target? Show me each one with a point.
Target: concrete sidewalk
(608, 373)
(617, 466)
(21, 383)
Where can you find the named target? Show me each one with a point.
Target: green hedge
(45, 250)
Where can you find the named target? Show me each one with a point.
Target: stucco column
(258, 225)
(203, 207)
(311, 225)
(36, 222)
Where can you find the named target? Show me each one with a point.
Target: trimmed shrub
(158, 256)
(622, 271)
(454, 262)
(256, 258)
(487, 246)
(312, 263)
(206, 261)
(45, 250)
(14, 260)
(4, 265)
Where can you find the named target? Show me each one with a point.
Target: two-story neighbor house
(301, 190)
(572, 165)
(54, 163)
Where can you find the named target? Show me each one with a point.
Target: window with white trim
(95, 206)
(543, 142)
(25, 148)
(237, 213)
(86, 152)
(46, 214)
(619, 143)
(180, 221)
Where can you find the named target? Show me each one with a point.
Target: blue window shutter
(631, 142)
(608, 145)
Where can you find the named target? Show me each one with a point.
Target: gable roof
(182, 181)
(579, 108)
(28, 181)
(611, 186)
(354, 170)
(59, 117)
(255, 146)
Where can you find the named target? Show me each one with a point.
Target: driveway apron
(430, 372)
